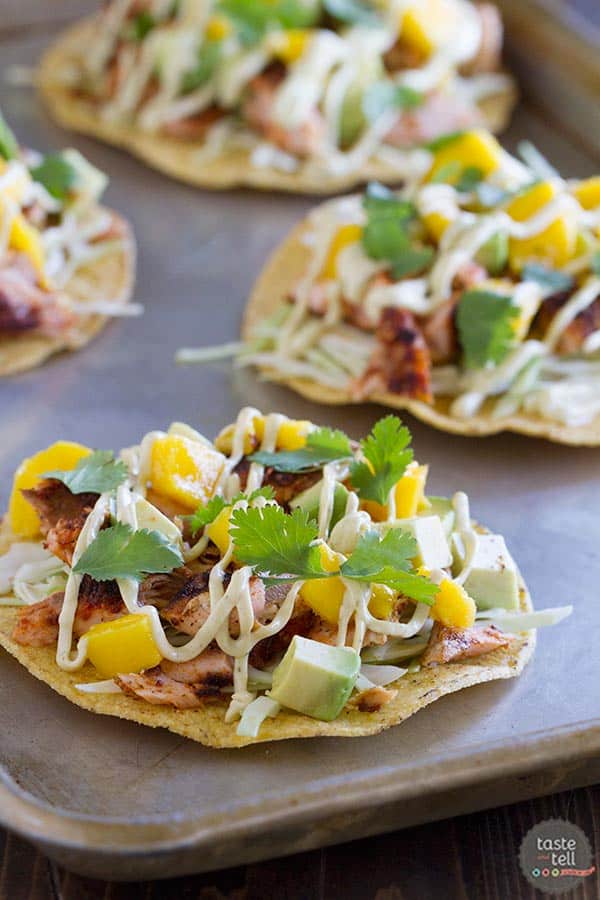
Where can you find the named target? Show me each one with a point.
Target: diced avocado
(352, 119)
(441, 507)
(315, 679)
(148, 516)
(309, 501)
(432, 543)
(492, 581)
(493, 255)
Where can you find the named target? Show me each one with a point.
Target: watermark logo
(556, 856)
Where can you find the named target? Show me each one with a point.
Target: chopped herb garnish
(470, 177)
(387, 455)
(94, 474)
(121, 552)
(464, 178)
(142, 25)
(595, 262)
(386, 235)
(9, 148)
(323, 445)
(282, 548)
(485, 323)
(253, 18)
(551, 279)
(384, 95)
(208, 59)
(56, 175)
(413, 261)
(443, 141)
(204, 515)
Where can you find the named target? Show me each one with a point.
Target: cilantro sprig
(205, 515)
(323, 445)
(551, 279)
(56, 174)
(384, 95)
(386, 235)
(9, 148)
(94, 474)
(387, 455)
(121, 552)
(352, 12)
(485, 323)
(282, 548)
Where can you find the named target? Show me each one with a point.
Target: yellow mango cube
(63, 455)
(123, 645)
(410, 491)
(218, 28)
(290, 45)
(325, 595)
(428, 24)
(382, 601)
(347, 234)
(588, 192)
(184, 470)
(218, 531)
(453, 606)
(476, 148)
(436, 224)
(26, 239)
(553, 246)
(292, 434)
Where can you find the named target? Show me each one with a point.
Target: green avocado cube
(315, 679)
(443, 508)
(308, 500)
(492, 581)
(432, 543)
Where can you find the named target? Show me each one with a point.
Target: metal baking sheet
(116, 800)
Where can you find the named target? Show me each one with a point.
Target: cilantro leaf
(323, 445)
(205, 515)
(253, 18)
(386, 234)
(353, 12)
(55, 174)
(485, 327)
(208, 59)
(9, 148)
(277, 544)
(380, 202)
(121, 552)
(443, 141)
(388, 561)
(142, 25)
(595, 262)
(387, 456)
(547, 278)
(470, 177)
(412, 261)
(93, 474)
(384, 95)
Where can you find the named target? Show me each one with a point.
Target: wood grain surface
(472, 857)
(468, 858)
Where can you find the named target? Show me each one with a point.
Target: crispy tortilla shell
(178, 158)
(108, 278)
(285, 268)
(208, 726)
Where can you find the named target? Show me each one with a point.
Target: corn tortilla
(208, 726)
(285, 268)
(179, 159)
(108, 278)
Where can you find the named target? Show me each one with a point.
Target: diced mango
(290, 45)
(347, 234)
(426, 25)
(184, 470)
(63, 455)
(453, 606)
(476, 148)
(410, 491)
(325, 595)
(218, 531)
(26, 239)
(291, 435)
(218, 28)
(588, 192)
(381, 601)
(553, 246)
(436, 224)
(123, 645)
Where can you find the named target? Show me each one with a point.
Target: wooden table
(473, 856)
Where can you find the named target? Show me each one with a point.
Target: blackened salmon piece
(211, 668)
(574, 335)
(374, 698)
(37, 624)
(24, 305)
(193, 128)
(160, 588)
(286, 485)
(157, 688)
(452, 644)
(270, 648)
(62, 514)
(190, 607)
(400, 363)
